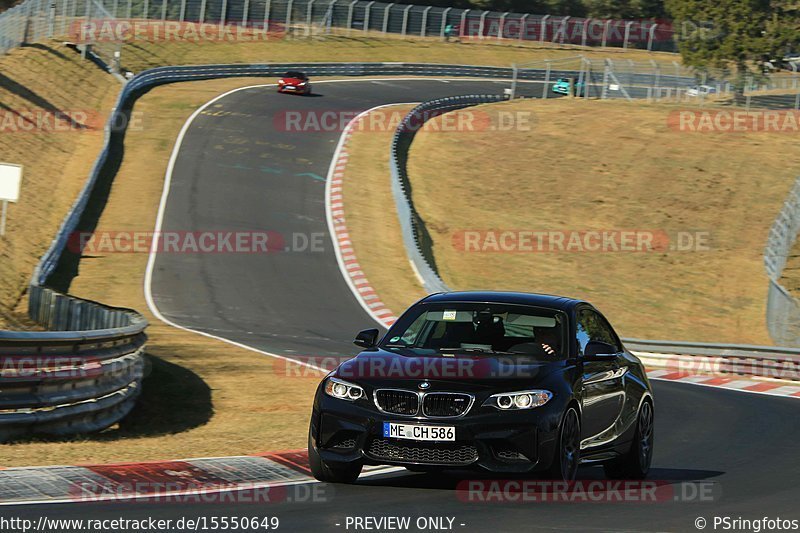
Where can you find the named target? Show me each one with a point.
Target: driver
(548, 338)
(489, 329)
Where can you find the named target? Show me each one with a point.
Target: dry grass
(204, 397)
(36, 82)
(371, 215)
(603, 165)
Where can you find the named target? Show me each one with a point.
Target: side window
(593, 327)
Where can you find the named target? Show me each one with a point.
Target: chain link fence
(38, 19)
(783, 309)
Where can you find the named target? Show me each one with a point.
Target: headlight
(527, 399)
(343, 390)
(301, 84)
(281, 81)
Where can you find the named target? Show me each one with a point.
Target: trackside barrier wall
(762, 361)
(415, 237)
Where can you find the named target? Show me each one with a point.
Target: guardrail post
(223, 15)
(543, 28)
(245, 12)
(309, 14)
(405, 19)
(163, 10)
(585, 32)
(350, 8)
(501, 28)
(482, 24)
(424, 29)
(463, 26)
(523, 24)
(88, 19)
(146, 9)
(129, 11)
(385, 27)
(267, 8)
(444, 22)
(606, 29)
(514, 74)
(366, 15)
(289, 7)
(627, 34)
(546, 87)
(51, 20)
(651, 37)
(63, 24)
(563, 30)
(202, 12)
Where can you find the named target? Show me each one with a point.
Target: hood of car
(465, 372)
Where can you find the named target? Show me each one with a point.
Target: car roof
(294, 74)
(562, 303)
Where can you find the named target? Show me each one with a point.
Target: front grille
(441, 404)
(509, 455)
(345, 444)
(440, 453)
(397, 402)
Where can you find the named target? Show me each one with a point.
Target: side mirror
(367, 338)
(599, 350)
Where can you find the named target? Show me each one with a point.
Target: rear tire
(331, 472)
(636, 463)
(568, 449)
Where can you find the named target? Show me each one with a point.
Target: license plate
(394, 430)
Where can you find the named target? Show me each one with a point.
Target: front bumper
(488, 439)
(293, 89)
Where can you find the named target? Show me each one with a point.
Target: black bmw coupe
(506, 382)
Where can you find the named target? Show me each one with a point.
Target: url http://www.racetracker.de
(44, 524)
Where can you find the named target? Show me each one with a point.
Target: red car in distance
(294, 82)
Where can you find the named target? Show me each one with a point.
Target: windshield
(294, 74)
(465, 327)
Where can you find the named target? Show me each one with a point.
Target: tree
(733, 35)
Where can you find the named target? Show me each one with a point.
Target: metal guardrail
(781, 320)
(415, 236)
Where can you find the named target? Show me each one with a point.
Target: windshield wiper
(479, 350)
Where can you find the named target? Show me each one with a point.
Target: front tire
(636, 463)
(568, 450)
(331, 472)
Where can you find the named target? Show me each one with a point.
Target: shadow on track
(454, 480)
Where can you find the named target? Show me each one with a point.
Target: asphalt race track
(237, 171)
(240, 170)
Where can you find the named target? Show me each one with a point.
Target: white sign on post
(10, 180)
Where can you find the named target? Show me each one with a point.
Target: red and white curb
(738, 383)
(266, 478)
(337, 224)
